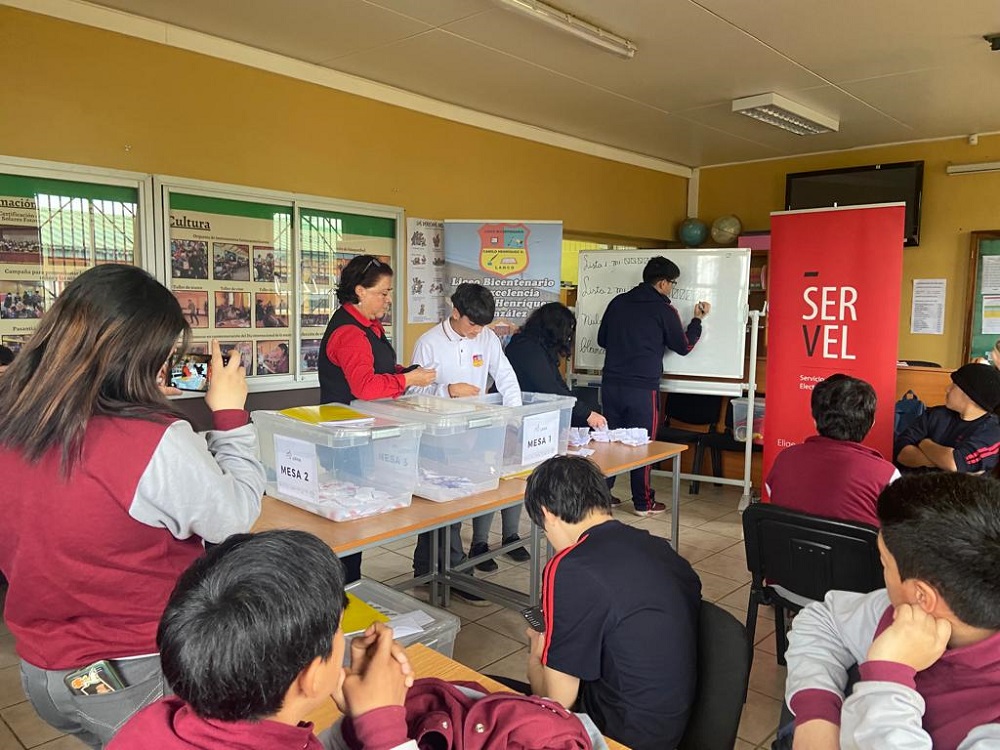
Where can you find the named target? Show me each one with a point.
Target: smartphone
(96, 679)
(190, 372)
(534, 617)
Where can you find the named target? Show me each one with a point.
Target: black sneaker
(487, 566)
(518, 554)
(473, 599)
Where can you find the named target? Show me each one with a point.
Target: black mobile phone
(534, 617)
(190, 372)
(96, 679)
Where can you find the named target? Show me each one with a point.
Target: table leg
(445, 568)
(675, 510)
(535, 590)
(435, 592)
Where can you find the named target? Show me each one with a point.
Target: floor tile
(385, 566)
(8, 656)
(10, 686)
(63, 743)
(715, 587)
(477, 646)
(514, 666)
(760, 717)
(7, 739)
(26, 725)
(727, 567)
(506, 622)
(766, 676)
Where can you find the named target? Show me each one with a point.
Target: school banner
(834, 277)
(519, 261)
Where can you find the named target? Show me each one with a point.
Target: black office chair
(806, 555)
(717, 442)
(723, 674)
(919, 363)
(693, 409)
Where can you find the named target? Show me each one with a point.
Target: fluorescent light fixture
(579, 28)
(783, 113)
(983, 166)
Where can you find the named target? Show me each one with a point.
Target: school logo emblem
(477, 360)
(503, 248)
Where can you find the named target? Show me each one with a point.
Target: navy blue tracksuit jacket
(636, 329)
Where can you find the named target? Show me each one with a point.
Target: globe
(693, 231)
(726, 229)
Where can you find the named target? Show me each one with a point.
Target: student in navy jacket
(637, 326)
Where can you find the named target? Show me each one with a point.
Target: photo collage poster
(229, 270)
(329, 240)
(425, 265)
(50, 232)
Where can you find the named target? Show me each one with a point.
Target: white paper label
(295, 464)
(540, 437)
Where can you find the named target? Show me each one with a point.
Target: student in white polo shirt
(468, 355)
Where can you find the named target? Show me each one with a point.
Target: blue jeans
(509, 519)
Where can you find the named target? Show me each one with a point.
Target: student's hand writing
(817, 734)
(915, 639)
(461, 390)
(227, 388)
(702, 309)
(381, 682)
(420, 377)
(597, 421)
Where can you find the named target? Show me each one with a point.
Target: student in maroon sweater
(109, 495)
(251, 644)
(928, 644)
(832, 474)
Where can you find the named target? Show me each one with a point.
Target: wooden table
(424, 515)
(429, 663)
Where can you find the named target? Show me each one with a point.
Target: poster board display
(52, 230)
(832, 309)
(982, 321)
(718, 276)
(519, 261)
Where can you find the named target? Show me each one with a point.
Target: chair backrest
(920, 363)
(693, 408)
(810, 555)
(723, 675)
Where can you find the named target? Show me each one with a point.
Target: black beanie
(981, 383)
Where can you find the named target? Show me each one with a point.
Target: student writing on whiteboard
(637, 326)
(466, 356)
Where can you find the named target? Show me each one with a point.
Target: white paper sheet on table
(409, 623)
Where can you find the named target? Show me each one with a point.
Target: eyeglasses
(372, 262)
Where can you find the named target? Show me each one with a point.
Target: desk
(428, 663)
(423, 515)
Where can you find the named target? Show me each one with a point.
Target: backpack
(443, 715)
(908, 409)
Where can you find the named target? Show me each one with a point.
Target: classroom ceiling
(890, 70)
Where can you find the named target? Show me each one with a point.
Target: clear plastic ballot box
(536, 430)
(461, 448)
(338, 463)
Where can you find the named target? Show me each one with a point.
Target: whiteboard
(718, 276)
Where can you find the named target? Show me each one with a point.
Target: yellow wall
(952, 208)
(81, 95)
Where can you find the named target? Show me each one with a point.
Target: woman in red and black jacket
(357, 361)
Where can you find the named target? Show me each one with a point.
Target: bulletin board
(982, 328)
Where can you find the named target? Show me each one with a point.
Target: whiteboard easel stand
(751, 390)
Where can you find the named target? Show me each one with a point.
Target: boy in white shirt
(468, 355)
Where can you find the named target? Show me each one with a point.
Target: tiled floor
(492, 638)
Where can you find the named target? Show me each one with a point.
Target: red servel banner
(834, 278)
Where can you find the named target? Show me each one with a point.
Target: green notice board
(983, 329)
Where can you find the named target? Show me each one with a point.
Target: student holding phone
(110, 493)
